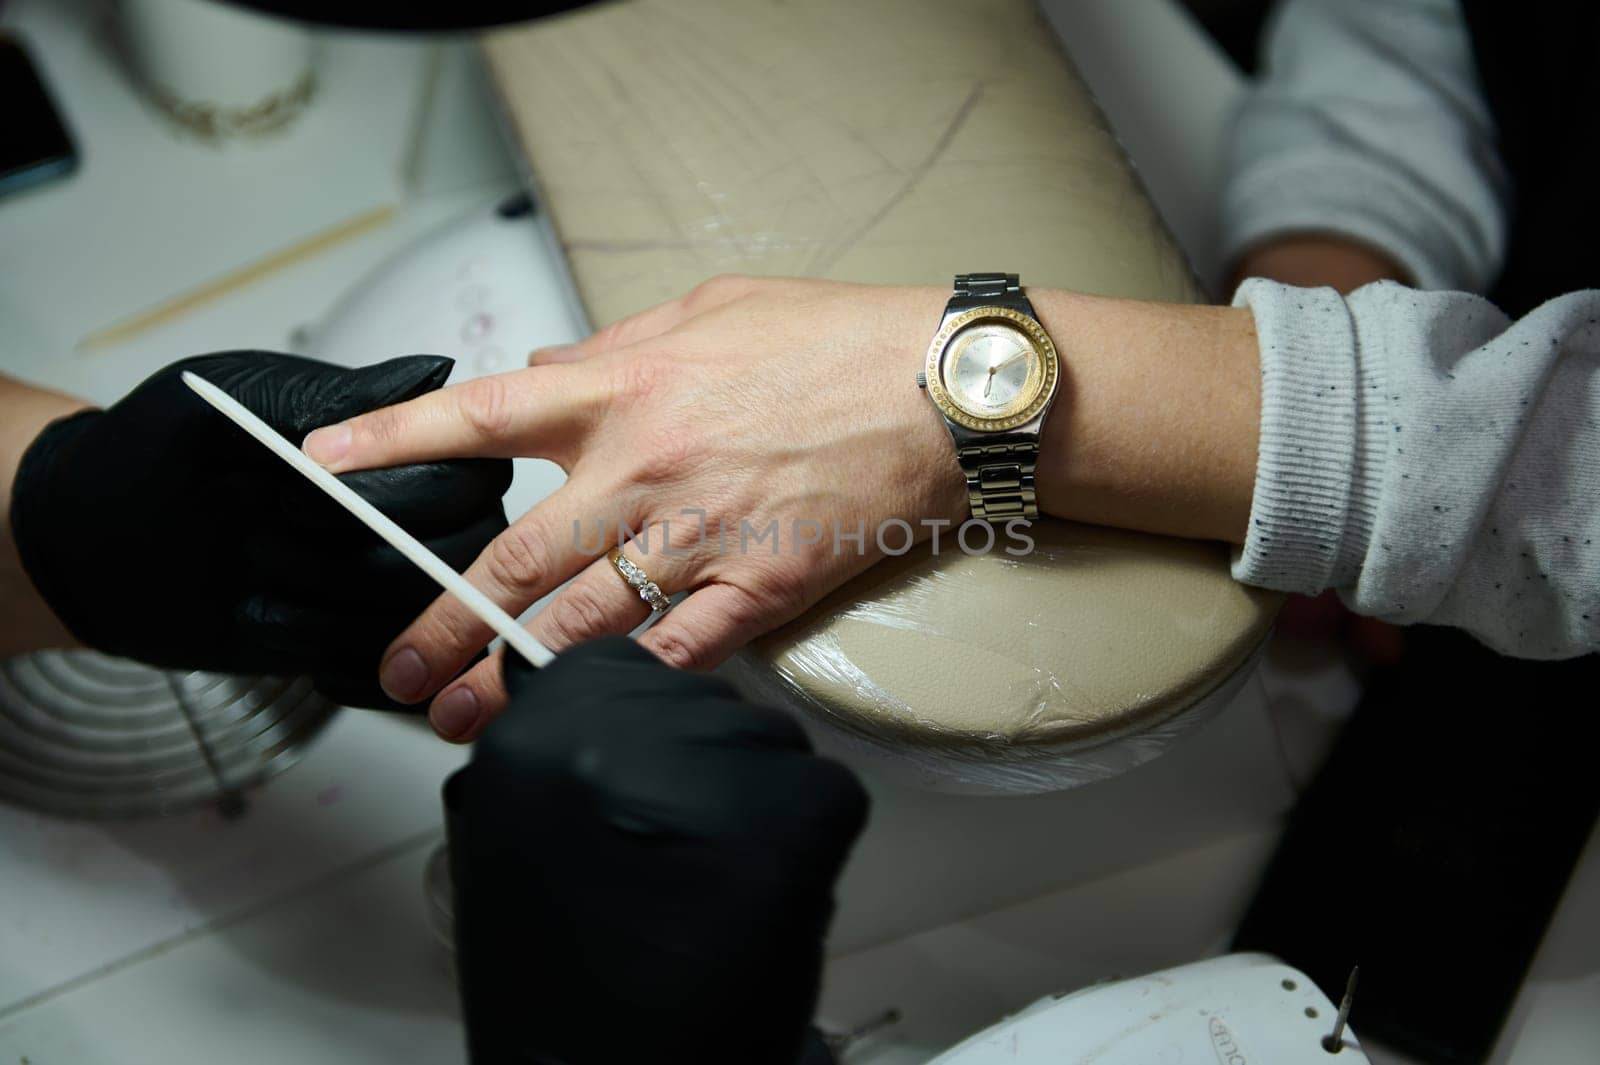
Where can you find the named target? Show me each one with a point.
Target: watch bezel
(1024, 323)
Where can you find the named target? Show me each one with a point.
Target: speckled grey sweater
(1432, 460)
(1421, 453)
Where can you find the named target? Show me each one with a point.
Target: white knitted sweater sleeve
(1432, 460)
(1368, 122)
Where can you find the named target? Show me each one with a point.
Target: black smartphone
(1434, 845)
(34, 143)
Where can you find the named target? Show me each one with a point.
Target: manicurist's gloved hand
(644, 867)
(158, 530)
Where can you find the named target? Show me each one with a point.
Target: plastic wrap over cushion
(892, 142)
(995, 673)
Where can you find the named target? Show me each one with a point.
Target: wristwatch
(992, 372)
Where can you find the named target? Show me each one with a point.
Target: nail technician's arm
(1365, 149)
(26, 622)
(157, 531)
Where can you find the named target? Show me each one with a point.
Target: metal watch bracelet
(989, 290)
(1000, 470)
(1000, 478)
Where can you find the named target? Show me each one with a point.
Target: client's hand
(158, 530)
(644, 868)
(783, 411)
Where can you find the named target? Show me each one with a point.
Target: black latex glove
(644, 866)
(158, 530)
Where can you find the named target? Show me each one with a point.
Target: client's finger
(599, 602)
(708, 626)
(540, 413)
(543, 550)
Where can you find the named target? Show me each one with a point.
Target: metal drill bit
(1333, 1042)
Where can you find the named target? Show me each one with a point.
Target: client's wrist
(1155, 423)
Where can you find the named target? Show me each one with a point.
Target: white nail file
(402, 541)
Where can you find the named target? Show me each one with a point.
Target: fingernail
(403, 675)
(328, 444)
(454, 712)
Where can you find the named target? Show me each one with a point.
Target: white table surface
(298, 934)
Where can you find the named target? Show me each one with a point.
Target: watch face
(992, 369)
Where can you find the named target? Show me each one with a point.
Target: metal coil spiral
(86, 735)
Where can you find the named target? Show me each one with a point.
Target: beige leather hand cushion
(897, 141)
